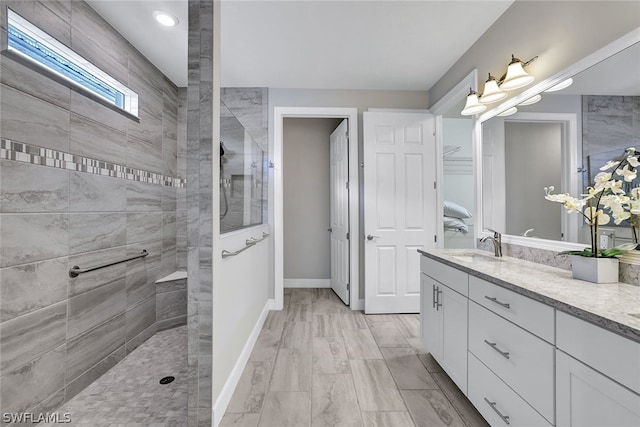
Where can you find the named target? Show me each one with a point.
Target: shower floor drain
(167, 380)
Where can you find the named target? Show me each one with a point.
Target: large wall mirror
(562, 140)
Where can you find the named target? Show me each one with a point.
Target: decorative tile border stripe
(26, 153)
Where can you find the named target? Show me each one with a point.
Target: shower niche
(243, 175)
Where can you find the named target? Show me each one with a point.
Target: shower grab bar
(75, 271)
(252, 241)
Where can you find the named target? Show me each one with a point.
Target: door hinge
(435, 238)
(347, 236)
(346, 135)
(348, 286)
(347, 185)
(435, 185)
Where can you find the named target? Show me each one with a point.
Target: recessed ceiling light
(165, 18)
(562, 85)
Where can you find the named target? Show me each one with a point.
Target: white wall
(360, 99)
(307, 245)
(559, 32)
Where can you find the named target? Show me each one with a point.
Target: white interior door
(339, 205)
(400, 207)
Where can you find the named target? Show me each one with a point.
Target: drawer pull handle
(494, 346)
(439, 292)
(504, 304)
(435, 301)
(505, 418)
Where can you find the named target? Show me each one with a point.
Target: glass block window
(29, 42)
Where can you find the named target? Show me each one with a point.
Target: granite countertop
(613, 306)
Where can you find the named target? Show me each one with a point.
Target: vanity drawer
(615, 356)
(453, 278)
(533, 316)
(520, 359)
(485, 386)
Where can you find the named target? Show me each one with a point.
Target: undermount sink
(472, 257)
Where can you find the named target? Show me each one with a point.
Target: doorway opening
(283, 216)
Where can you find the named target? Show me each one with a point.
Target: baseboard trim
(220, 406)
(307, 283)
(358, 305)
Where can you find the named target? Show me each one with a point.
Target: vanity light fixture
(165, 18)
(510, 112)
(473, 105)
(516, 77)
(562, 85)
(491, 92)
(532, 100)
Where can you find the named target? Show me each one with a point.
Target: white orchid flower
(614, 185)
(609, 165)
(596, 216)
(573, 204)
(619, 216)
(634, 207)
(635, 193)
(602, 178)
(628, 174)
(633, 161)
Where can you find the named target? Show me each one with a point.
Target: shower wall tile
(95, 279)
(170, 198)
(140, 317)
(92, 308)
(27, 238)
(171, 304)
(144, 226)
(80, 383)
(94, 140)
(171, 323)
(35, 381)
(95, 40)
(133, 343)
(95, 193)
(30, 287)
(30, 188)
(31, 82)
(169, 225)
(143, 154)
(93, 110)
(52, 219)
(90, 348)
(91, 232)
(27, 337)
(33, 121)
(143, 197)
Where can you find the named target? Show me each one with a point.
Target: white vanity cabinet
(597, 376)
(522, 362)
(444, 318)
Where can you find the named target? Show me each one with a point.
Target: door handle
(370, 237)
(438, 295)
(434, 297)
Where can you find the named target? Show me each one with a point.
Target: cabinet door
(430, 317)
(586, 398)
(454, 314)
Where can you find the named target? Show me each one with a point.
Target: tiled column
(199, 209)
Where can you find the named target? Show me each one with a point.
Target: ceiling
(315, 44)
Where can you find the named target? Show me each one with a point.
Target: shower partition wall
(242, 175)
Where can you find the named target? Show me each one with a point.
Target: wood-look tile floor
(318, 364)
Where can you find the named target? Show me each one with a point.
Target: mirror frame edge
(590, 60)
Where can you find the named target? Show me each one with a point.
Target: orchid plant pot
(595, 270)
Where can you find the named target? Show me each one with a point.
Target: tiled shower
(82, 184)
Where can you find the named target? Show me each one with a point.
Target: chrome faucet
(496, 240)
